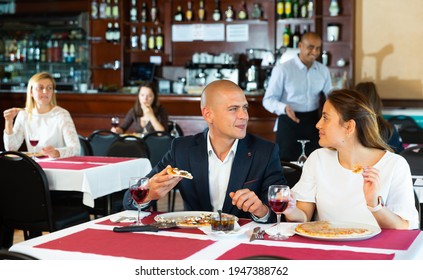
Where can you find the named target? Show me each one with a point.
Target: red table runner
(128, 245)
(249, 250)
(81, 162)
(387, 239)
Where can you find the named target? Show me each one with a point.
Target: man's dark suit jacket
(256, 166)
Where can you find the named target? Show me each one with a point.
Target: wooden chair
(25, 201)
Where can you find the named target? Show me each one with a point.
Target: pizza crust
(325, 229)
(358, 168)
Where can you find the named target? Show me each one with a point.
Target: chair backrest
(101, 140)
(412, 135)
(24, 193)
(8, 255)
(178, 128)
(414, 156)
(158, 143)
(292, 172)
(129, 146)
(403, 122)
(86, 149)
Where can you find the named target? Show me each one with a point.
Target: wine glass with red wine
(33, 140)
(278, 200)
(115, 122)
(139, 189)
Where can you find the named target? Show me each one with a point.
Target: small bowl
(226, 224)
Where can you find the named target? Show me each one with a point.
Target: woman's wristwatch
(378, 206)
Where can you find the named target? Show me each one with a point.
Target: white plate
(374, 231)
(179, 216)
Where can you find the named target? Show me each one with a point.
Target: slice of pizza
(357, 168)
(179, 173)
(325, 229)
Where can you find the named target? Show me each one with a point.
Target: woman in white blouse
(53, 124)
(331, 189)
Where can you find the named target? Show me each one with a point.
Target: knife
(254, 234)
(154, 227)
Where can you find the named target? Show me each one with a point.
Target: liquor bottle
(242, 13)
(333, 8)
(256, 13)
(288, 9)
(325, 58)
(133, 12)
(216, 12)
(229, 13)
(37, 51)
(151, 39)
(115, 9)
(295, 9)
(178, 15)
(189, 14)
(65, 53)
(134, 38)
(57, 53)
(201, 11)
(49, 54)
(143, 14)
(287, 36)
(102, 9)
(296, 36)
(143, 39)
(303, 9)
(116, 33)
(159, 39)
(72, 53)
(109, 35)
(153, 11)
(310, 8)
(280, 5)
(108, 9)
(94, 9)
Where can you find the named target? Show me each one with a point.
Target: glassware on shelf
(302, 159)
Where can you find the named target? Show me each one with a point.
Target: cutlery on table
(154, 227)
(254, 235)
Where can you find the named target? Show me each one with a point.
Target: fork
(260, 235)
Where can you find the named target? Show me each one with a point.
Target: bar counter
(94, 111)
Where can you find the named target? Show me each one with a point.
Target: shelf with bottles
(337, 8)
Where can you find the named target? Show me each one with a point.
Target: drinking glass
(115, 122)
(33, 140)
(278, 196)
(174, 132)
(139, 188)
(302, 159)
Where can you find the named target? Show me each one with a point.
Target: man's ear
(207, 115)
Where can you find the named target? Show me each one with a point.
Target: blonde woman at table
(41, 115)
(147, 113)
(232, 169)
(331, 186)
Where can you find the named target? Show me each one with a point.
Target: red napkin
(248, 250)
(387, 239)
(128, 245)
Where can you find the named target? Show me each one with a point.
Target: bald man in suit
(232, 169)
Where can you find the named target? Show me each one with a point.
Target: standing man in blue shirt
(293, 94)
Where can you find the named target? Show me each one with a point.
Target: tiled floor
(161, 206)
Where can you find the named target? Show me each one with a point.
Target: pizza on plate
(325, 229)
(195, 221)
(358, 168)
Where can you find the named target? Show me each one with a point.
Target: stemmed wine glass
(278, 196)
(139, 189)
(115, 122)
(302, 159)
(33, 140)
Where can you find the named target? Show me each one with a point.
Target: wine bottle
(115, 9)
(151, 39)
(94, 9)
(296, 36)
(134, 38)
(242, 13)
(288, 9)
(201, 11)
(287, 36)
(295, 9)
(256, 12)
(280, 9)
(133, 12)
(216, 12)
(159, 39)
(333, 8)
(229, 13)
(109, 36)
(154, 11)
(102, 9)
(143, 14)
(310, 8)
(108, 9)
(178, 15)
(116, 33)
(189, 14)
(143, 38)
